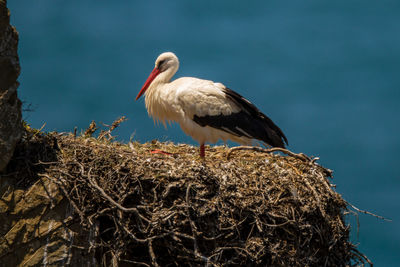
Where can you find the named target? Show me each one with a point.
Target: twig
(91, 129)
(117, 122)
(61, 185)
(367, 212)
(193, 227)
(112, 201)
(300, 156)
(317, 198)
(111, 128)
(151, 252)
(361, 256)
(135, 263)
(132, 235)
(36, 132)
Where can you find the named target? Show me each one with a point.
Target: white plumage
(205, 110)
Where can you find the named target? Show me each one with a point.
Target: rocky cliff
(10, 105)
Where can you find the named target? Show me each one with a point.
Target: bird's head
(167, 64)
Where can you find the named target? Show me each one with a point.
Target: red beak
(146, 85)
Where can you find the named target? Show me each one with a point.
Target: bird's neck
(162, 79)
(158, 96)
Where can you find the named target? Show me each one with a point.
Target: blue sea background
(326, 72)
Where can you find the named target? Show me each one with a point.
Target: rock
(37, 227)
(35, 232)
(10, 105)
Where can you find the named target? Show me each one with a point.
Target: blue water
(326, 72)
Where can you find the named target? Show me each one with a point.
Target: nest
(152, 209)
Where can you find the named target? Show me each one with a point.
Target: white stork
(205, 110)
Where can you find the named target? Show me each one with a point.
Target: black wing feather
(249, 122)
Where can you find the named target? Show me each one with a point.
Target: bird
(205, 110)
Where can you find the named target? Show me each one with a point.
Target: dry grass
(171, 210)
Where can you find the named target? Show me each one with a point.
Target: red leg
(202, 151)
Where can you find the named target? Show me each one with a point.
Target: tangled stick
(61, 185)
(111, 128)
(300, 156)
(113, 202)
(193, 227)
(367, 212)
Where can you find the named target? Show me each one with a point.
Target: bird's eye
(160, 63)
